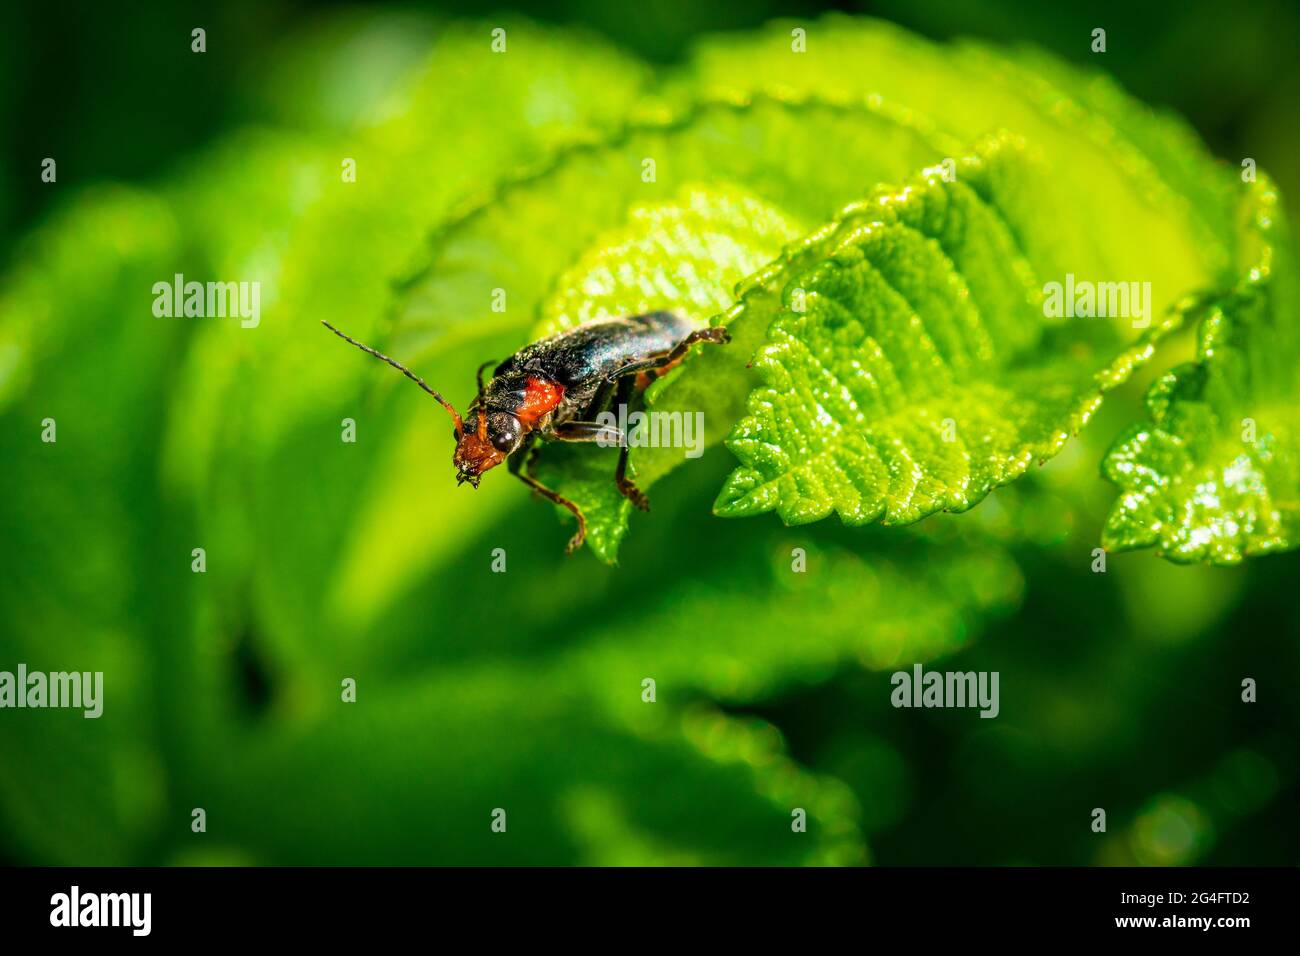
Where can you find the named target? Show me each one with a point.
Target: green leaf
(686, 254)
(534, 228)
(1103, 144)
(1215, 474)
(909, 366)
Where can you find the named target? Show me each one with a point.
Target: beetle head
(487, 439)
(483, 440)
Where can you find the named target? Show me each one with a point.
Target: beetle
(554, 388)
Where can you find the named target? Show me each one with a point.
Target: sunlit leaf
(1215, 474)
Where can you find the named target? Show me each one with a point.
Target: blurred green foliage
(478, 690)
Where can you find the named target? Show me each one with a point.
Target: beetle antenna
(455, 416)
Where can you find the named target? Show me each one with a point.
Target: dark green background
(103, 86)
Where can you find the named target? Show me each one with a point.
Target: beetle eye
(504, 433)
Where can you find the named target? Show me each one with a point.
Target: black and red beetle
(554, 389)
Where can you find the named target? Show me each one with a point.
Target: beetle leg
(650, 363)
(520, 465)
(589, 432)
(593, 432)
(717, 335)
(625, 485)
